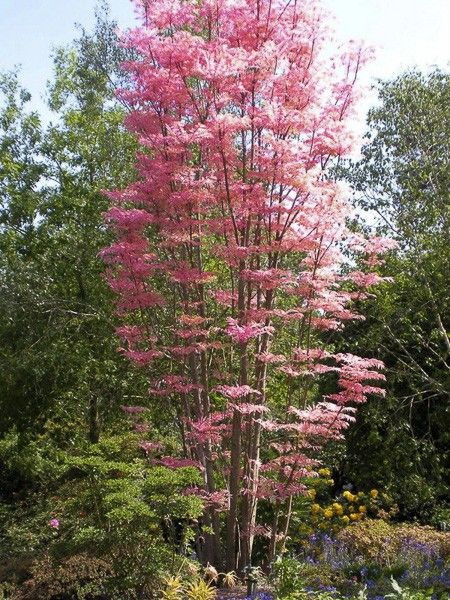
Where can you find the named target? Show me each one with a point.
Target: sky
(405, 33)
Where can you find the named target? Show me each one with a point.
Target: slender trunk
(231, 560)
(204, 456)
(249, 507)
(287, 522)
(215, 558)
(250, 501)
(209, 463)
(273, 538)
(235, 470)
(235, 474)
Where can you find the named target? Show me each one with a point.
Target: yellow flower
(373, 493)
(324, 472)
(315, 508)
(355, 517)
(360, 494)
(330, 482)
(348, 496)
(345, 520)
(312, 493)
(362, 509)
(328, 513)
(351, 508)
(338, 508)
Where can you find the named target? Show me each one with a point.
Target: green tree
(58, 359)
(402, 180)
(21, 168)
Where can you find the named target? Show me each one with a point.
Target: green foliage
(59, 368)
(441, 518)
(287, 574)
(400, 444)
(113, 504)
(305, 595)
(30, 469)
(402, 593)
(294, 579)
(21, 168)
(32, 462)
(61, 377)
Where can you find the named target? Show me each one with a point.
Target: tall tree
(229, 247)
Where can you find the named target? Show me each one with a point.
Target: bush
(122, 508)
(370, 553)
(381, 542)
(441, 519)
(80, 576)
(110, 502)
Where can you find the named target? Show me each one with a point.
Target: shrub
(118, 506)
(370, 553)
(331, 514)
(200, 590)
(80, 576)
(287, 575)
(381, 542)
(441, 519)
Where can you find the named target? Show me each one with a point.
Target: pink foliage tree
(230, 247)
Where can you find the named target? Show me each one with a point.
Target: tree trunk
(231, 560)
(235, 472)
(250, 501)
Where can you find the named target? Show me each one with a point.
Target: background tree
(403, 181)
(55, 307)
(61, 378)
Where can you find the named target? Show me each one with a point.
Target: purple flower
(54, 523)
